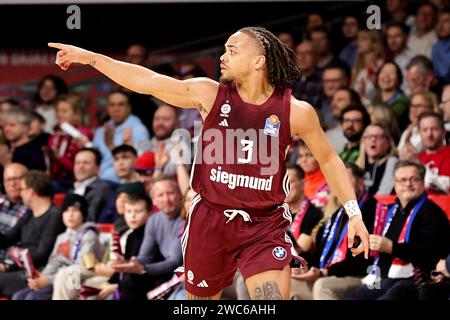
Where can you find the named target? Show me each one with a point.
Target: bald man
(165, 122)
(11, 206)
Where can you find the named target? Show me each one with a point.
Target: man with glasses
(11, 206)
(36, 231)
(414, 238)
(309, 86)
(354, 119)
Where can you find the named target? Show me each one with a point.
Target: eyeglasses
(375, 136)
(411, 180)
(12, 179)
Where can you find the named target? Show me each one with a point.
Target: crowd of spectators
(383, 98)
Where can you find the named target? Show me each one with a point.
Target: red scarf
(297, 223)
(313, 183)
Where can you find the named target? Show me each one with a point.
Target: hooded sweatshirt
(63, 252)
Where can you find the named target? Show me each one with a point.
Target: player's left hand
(356, 227)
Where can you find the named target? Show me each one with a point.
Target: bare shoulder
(205, 90)
(303, 117)
(203, 83)
(198, 93)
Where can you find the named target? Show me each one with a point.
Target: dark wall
(114, 26)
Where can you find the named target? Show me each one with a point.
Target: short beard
(225, 80)
(355, 137)
(172, 211)
(165, 136)
(434, 147)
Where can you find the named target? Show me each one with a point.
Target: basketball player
(238, 218)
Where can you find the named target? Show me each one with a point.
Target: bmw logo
(279, 253)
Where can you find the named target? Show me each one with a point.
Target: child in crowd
(79, 239)
(37, 131)
(137, 211)
(122, 193)
(64, 146)
(101, 269)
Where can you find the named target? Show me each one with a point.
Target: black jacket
(429, 239)
(96, 195)
(350, 266)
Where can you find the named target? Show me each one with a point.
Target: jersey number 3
(247, 146)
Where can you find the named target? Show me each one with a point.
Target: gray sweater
(161, 234)
(89, 243)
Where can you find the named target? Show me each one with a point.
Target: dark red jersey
(241, 153)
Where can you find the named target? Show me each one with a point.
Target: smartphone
(356, 242)
(436, 273)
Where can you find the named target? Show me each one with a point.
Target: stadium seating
(442, 201)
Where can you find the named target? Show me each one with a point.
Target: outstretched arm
(305, 124)
(197, 93)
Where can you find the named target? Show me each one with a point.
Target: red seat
(106, 227)
(385, 198)
(443, 201)
(58, 199)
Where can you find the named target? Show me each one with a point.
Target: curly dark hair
(281, 60)
(60, 86)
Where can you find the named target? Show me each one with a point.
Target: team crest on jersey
(279, 253)
(272, 126)
(190, 276)
(225, 109)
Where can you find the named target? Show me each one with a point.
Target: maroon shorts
(213, 248)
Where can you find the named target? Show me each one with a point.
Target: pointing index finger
(56, 45)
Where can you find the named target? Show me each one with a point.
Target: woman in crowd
(369, 58)
(377, 159)
(389, 81)
(63, 145)
(49, 88)
(384, 116)
(315, 188)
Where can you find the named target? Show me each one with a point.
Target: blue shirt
(348, 54)
(440, 54)
(139, 137)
